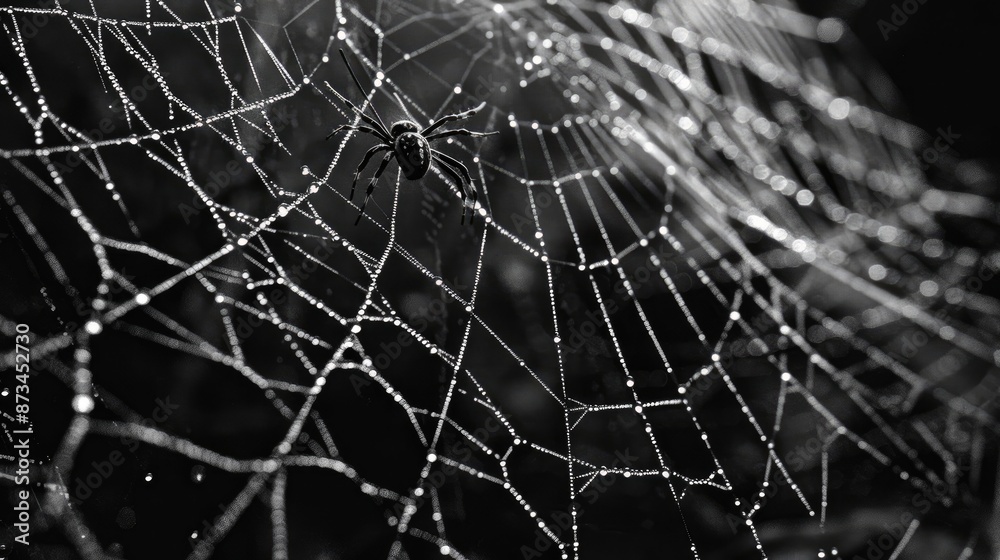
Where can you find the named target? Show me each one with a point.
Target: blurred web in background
(706, 264)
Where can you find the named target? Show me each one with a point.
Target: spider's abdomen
(413, 152)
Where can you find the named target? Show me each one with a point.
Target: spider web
(713, 304)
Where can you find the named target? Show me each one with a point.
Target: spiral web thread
(703, 179)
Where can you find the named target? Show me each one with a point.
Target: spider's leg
(460, 132)
(470, 193)
(339, 129)
(451, 172)
(469, 187)
(371, 185)
(452, 118)
(383, 133)
(344, 127)
(454, 163)
(363, 90)
(475, 203)
(458, 181)
(364, 162)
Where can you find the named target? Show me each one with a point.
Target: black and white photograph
(499, 280)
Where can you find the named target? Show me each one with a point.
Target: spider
(410, 146)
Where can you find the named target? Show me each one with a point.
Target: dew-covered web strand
(713, 146)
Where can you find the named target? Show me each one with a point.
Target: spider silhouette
(410, 146)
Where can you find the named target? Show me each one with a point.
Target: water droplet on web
(305, 169)
(148, 477)
(83, 404)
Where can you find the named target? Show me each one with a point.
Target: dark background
(943, 60)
